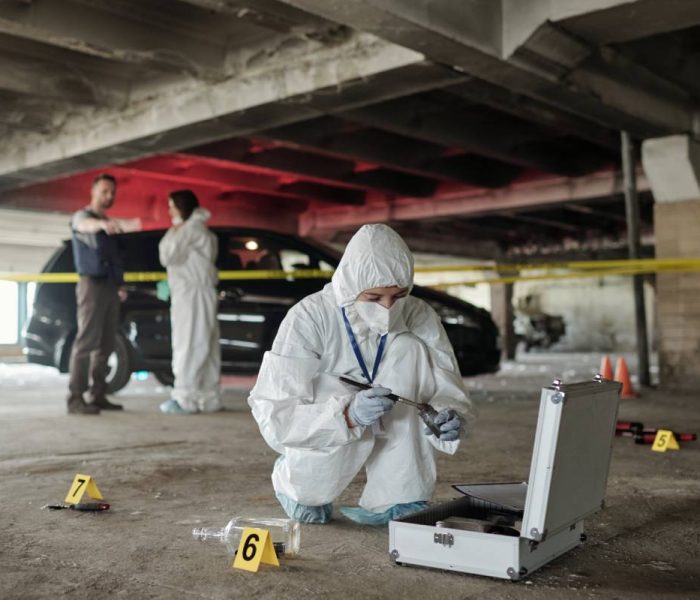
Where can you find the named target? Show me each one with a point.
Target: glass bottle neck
(207, 533)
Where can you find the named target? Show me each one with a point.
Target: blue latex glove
(369, 405)
(449, 423)
(367, 517)
(303, 513)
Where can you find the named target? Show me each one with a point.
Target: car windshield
(254, 252)
(332, 253)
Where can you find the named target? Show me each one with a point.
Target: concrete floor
(164, 475)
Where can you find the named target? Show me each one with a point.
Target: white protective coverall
(298, 400)
(189, 254)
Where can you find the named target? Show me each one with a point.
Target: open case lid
(571, 455)
(510, 496)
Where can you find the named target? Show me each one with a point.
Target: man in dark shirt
(99, 263)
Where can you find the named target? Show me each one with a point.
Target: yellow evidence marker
(664, 440)
(255, 548)
(80, 485)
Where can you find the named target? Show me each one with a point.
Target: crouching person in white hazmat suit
(363, 325)
(188, 251)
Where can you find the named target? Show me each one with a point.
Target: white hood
(376, 256)
(200, 214)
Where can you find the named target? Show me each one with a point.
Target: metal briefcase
(508, 530)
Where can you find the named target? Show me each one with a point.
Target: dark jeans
(98, 319)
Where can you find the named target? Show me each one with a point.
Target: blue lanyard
(358, 354)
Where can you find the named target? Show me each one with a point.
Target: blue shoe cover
(172, 407)
(367, 517)
(303, 513)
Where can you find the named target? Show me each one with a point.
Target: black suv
(250, 310)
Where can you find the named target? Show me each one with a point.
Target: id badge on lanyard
(377, 426)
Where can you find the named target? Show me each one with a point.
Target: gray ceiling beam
(45, 79)
(178, 117)
(84, 66)
(521, 106)
(327, 136)
(229, 179)
(186, 169)
(474, 134)
(324, 193)
(179, 20)
(418, 77)
(325, 169)
(520, 196)
(522, 19)
(627, 21)
(606, 74)
(446, 35)
(83, 28)
(269, 14)
(475, 170)
(27, 113)
(287, 160)
(245, 175)
(346, 139)
(396, 183)
(418, 23)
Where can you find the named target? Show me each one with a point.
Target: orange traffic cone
(623, 376)
(606, 368)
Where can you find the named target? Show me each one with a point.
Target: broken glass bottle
(285, 533)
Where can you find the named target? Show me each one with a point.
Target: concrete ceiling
(487, 121)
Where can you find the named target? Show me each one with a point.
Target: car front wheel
(119, 365)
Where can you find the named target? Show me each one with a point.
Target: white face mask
(379, 319)
(177, 220)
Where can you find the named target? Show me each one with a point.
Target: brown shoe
(77, 406)
(104, 404)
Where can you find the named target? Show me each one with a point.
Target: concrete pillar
(502, 313)
(672, 166)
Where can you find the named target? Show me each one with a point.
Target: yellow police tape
(160, 275)
(503, 273)
(575, 275)
(651, 264)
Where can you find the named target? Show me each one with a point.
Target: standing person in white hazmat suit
(366, 326)
(188, 251)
